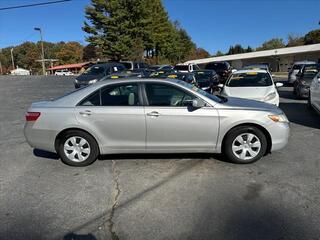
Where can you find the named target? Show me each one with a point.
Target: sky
(212, 24)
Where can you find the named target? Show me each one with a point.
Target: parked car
(135, 66)
(252, 84)
(314, 96)
(96, 72)
(183, 76)
(257, 66)
(186, 67)
(63, 72)
(153, 116)
(301, 86)
(295, 69)
(163, 67)
(223, 69)
(206, 80)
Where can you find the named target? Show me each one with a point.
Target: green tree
(294, 40)
(272, 44)
(312, 37)
(219, 53)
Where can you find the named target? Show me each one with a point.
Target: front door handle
(153, 114)
(85, 113)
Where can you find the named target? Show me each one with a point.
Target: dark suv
(301, 87)
(223, 69)
(97, 72)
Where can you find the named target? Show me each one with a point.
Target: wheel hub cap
(246, 146)
(77, 149)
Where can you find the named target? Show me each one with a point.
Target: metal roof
(69, 66)
(257, 54)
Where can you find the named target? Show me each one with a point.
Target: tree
(272, 44)
(69, 52)
(89, 53)
(237, 49)
(312, 37)
(134, 29)
(294, 40)
(219, 53)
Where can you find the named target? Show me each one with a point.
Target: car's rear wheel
(78, 148)
(245, 144)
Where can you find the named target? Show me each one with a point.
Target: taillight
(32, 116)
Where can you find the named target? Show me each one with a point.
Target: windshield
(249, 79)
(94, 70)
(200, 91)
(181, 67)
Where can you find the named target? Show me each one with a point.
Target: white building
(278, 59)
(20, 71)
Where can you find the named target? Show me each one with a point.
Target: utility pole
(42, 51)
(12, 60)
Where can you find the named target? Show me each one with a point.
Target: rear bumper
(43, 139)
(303, 91)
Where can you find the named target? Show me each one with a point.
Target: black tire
(237, 131)
(94, 149)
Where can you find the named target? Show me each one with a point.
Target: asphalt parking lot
(155, 196)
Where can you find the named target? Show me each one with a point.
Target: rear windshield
(94, 70)
(217, 66)
(127, 65)
(181, 67)
(203, 77)
(249, 79)
(310, 71)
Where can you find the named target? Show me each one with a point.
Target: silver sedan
(153, 116)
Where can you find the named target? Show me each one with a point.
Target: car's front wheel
(78, 148)
(245, 144)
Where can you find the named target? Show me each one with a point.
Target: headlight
(270, 96)
(279, 118)
(76, 81)
(93, 81)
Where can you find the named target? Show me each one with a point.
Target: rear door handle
(85, 113)
(153, 114)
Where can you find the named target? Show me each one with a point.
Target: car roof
(251, 70)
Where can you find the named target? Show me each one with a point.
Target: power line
(34, 4)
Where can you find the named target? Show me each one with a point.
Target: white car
(314, 96)
(252, 84)
(63, 73)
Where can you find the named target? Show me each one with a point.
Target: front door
(172, 125)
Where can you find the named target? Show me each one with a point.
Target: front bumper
(280, 133)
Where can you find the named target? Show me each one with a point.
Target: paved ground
(154, 197)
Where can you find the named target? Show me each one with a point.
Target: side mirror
(278, 84)
(220, 85)
(198, 103)
(273, 75)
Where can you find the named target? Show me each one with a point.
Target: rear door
(172, 125)
(115, 114)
